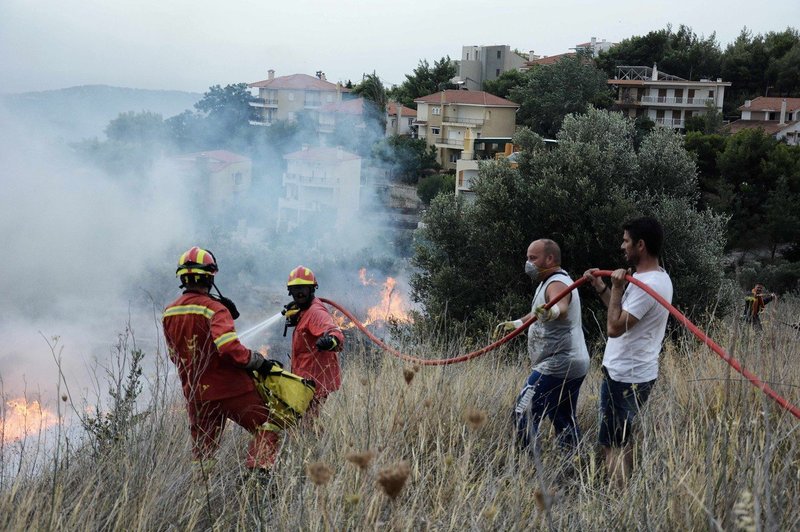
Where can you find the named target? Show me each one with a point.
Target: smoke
(89, 253)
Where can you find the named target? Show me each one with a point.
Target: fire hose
(683, 320)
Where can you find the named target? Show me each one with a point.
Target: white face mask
(535, 272)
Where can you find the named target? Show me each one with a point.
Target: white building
(322, 186)
(594, 47)
(667, 100)
(219, 178)
(400, 120)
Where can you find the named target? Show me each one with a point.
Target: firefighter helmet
(197, 261)
(302, 276)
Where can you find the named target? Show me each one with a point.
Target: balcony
(264, 102)
(311, 180)
(460, 121)
(671, 100)
(260, 122)
(670, 122)
(449, 143)
(313, 103)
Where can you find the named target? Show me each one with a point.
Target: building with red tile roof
(219, 176)
(776, 116)
(284, 97)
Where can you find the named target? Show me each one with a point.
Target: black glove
(265, 366)
(327, 343)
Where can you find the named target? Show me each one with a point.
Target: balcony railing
(460, 120)
(313, 103)
(311, 180)
(676, 100)
(264, 102)
(260, 122)
(669, 122)
(450, 142)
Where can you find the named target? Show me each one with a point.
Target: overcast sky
(190, 45)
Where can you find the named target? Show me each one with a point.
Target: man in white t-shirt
(635, 326)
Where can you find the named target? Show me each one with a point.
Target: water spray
(260, 326)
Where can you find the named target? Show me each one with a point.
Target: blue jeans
(554, 397)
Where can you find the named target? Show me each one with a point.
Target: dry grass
(433, 449)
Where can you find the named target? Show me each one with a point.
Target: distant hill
(81, 112)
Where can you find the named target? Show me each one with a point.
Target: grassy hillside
(81, 112)
(713, 453)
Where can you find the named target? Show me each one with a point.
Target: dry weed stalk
(475, 418)
(362, 459)
(408, 375)
(320, 473)
(392, 479)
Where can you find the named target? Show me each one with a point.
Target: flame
(362, 276)
(392, 306)
(22, 418)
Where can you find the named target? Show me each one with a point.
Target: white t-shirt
(633, 356)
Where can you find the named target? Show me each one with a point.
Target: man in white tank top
(556, 348)
(635, 326)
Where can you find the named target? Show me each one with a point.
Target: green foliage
(425, 79)
(406, 158)
(709, 122)
(505, 83)
(549, 93)
(110, 428)
(429, 187)
(680, 53)
(373, 91)
(579, 194)
(705, 149)
(227, 114)
(141, 128)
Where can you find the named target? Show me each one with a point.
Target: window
(498, 54)
(454, 156)
(710, 94)
(329, 98)
(435, 131)
(436, 111)
(497, 72)
(290, 115)
(237, 178)
(291, 96)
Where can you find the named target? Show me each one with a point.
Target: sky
(191, 45)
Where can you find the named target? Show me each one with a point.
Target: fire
(392, 306)
(21, 418)
(362, 275)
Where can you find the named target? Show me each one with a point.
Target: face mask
(534, 272)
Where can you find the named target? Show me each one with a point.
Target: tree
(228, 113)
(141, 128)
(469, 256)
(505, 83)
(680, 53)
(425, 80)
(709, 122)
(406, 159)
(372, 90)
(706, 149)
(551, 92)
(431, 186)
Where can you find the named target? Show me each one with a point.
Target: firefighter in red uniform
(316, 340)
(214, 366)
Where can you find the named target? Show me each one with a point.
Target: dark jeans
(620, 403)
(553, 397)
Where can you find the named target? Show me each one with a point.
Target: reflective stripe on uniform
(182, 310)
(225, 338)
(269, 427)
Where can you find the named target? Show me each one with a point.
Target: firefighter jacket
(308, 361)
(203, 344)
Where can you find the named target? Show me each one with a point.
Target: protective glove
(505, 327)
(265, 366)
(547, 314)
(327, 343)
(291, 312)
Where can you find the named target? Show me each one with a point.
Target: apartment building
(779, 117)
(482, 63)
(321, 186)
(283, 97)
(218, 177)
(400, 120)
(446, 118)
(667, 100)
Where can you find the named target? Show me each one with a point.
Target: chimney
(398, 107)
(655, 72)
(532, 56)
(783, 112)
(270, 74)
(747, 104)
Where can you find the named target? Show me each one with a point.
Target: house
(594, 47)
(779, 117)
(482, 63)
(349, 114)
(446, 118)
(322, 189)
(284, 97)
(536, 60)
(400, 120)
(218, 177)
(667, 100)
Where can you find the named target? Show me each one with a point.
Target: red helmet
(197, 261)
(302, 276)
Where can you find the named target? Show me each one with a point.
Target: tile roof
(391, 109)
(321, 154)
(297, 82)
(549, 60)
(467, 98)
(217, 159)
(770, 127)
(772, 103)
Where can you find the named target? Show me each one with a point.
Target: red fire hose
(683, 320)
